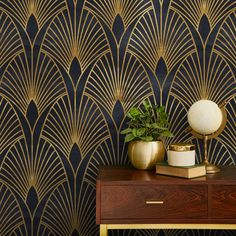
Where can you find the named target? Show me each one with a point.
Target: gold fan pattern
(70, 70)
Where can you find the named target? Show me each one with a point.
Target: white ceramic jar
(181, 154)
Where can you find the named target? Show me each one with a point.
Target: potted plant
(147, 126)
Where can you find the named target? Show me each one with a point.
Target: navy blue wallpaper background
(70, 70)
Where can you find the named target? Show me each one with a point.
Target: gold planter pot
(144, 155)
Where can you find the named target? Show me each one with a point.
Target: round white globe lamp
(207, 120)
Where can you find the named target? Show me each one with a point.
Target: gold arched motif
(66, 39)
(129, 10)
(84, 126)
(178, 121)
(10, 42)
(218, 153)
(192, 83)
(42, 10)
(225, 44)
(70, 212)
(153, 39)
(44, 231)
(10, 126)
(109, 83)
(193, 10)
(40, 168)
(103, 155)
(22, 82)
(228, 136)
(11, 218)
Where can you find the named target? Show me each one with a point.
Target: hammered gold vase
(144, 155)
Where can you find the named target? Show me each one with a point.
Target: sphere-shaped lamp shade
(205, 117)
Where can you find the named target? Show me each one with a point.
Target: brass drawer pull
(154, 202)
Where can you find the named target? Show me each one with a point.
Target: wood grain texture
(130, 201)
(119, 174)
(98, 202)
(123, 192)
(224, 201)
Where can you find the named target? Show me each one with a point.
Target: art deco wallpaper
(69, 72)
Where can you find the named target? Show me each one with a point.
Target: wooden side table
(127, 198)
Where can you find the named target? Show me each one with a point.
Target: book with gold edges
(181, 171)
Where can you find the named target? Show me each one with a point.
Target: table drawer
(224, 201)
(139, 202)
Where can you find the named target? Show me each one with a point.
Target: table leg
(103, 230)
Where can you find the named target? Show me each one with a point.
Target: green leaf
(162, 109)
(167, 133)
(141, 132)
(147, 138)
(158, 126)
(134, 111)
(143, 115)
(129, 115)
(134, 132)
(129, 137)
(126, 131)
(146, 104)
(147, 122)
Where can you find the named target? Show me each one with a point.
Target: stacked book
(181, 171)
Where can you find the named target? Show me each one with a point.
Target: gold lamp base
(210, 168)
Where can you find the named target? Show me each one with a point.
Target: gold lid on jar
(181, 147)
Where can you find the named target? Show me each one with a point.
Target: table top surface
(121, 174)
